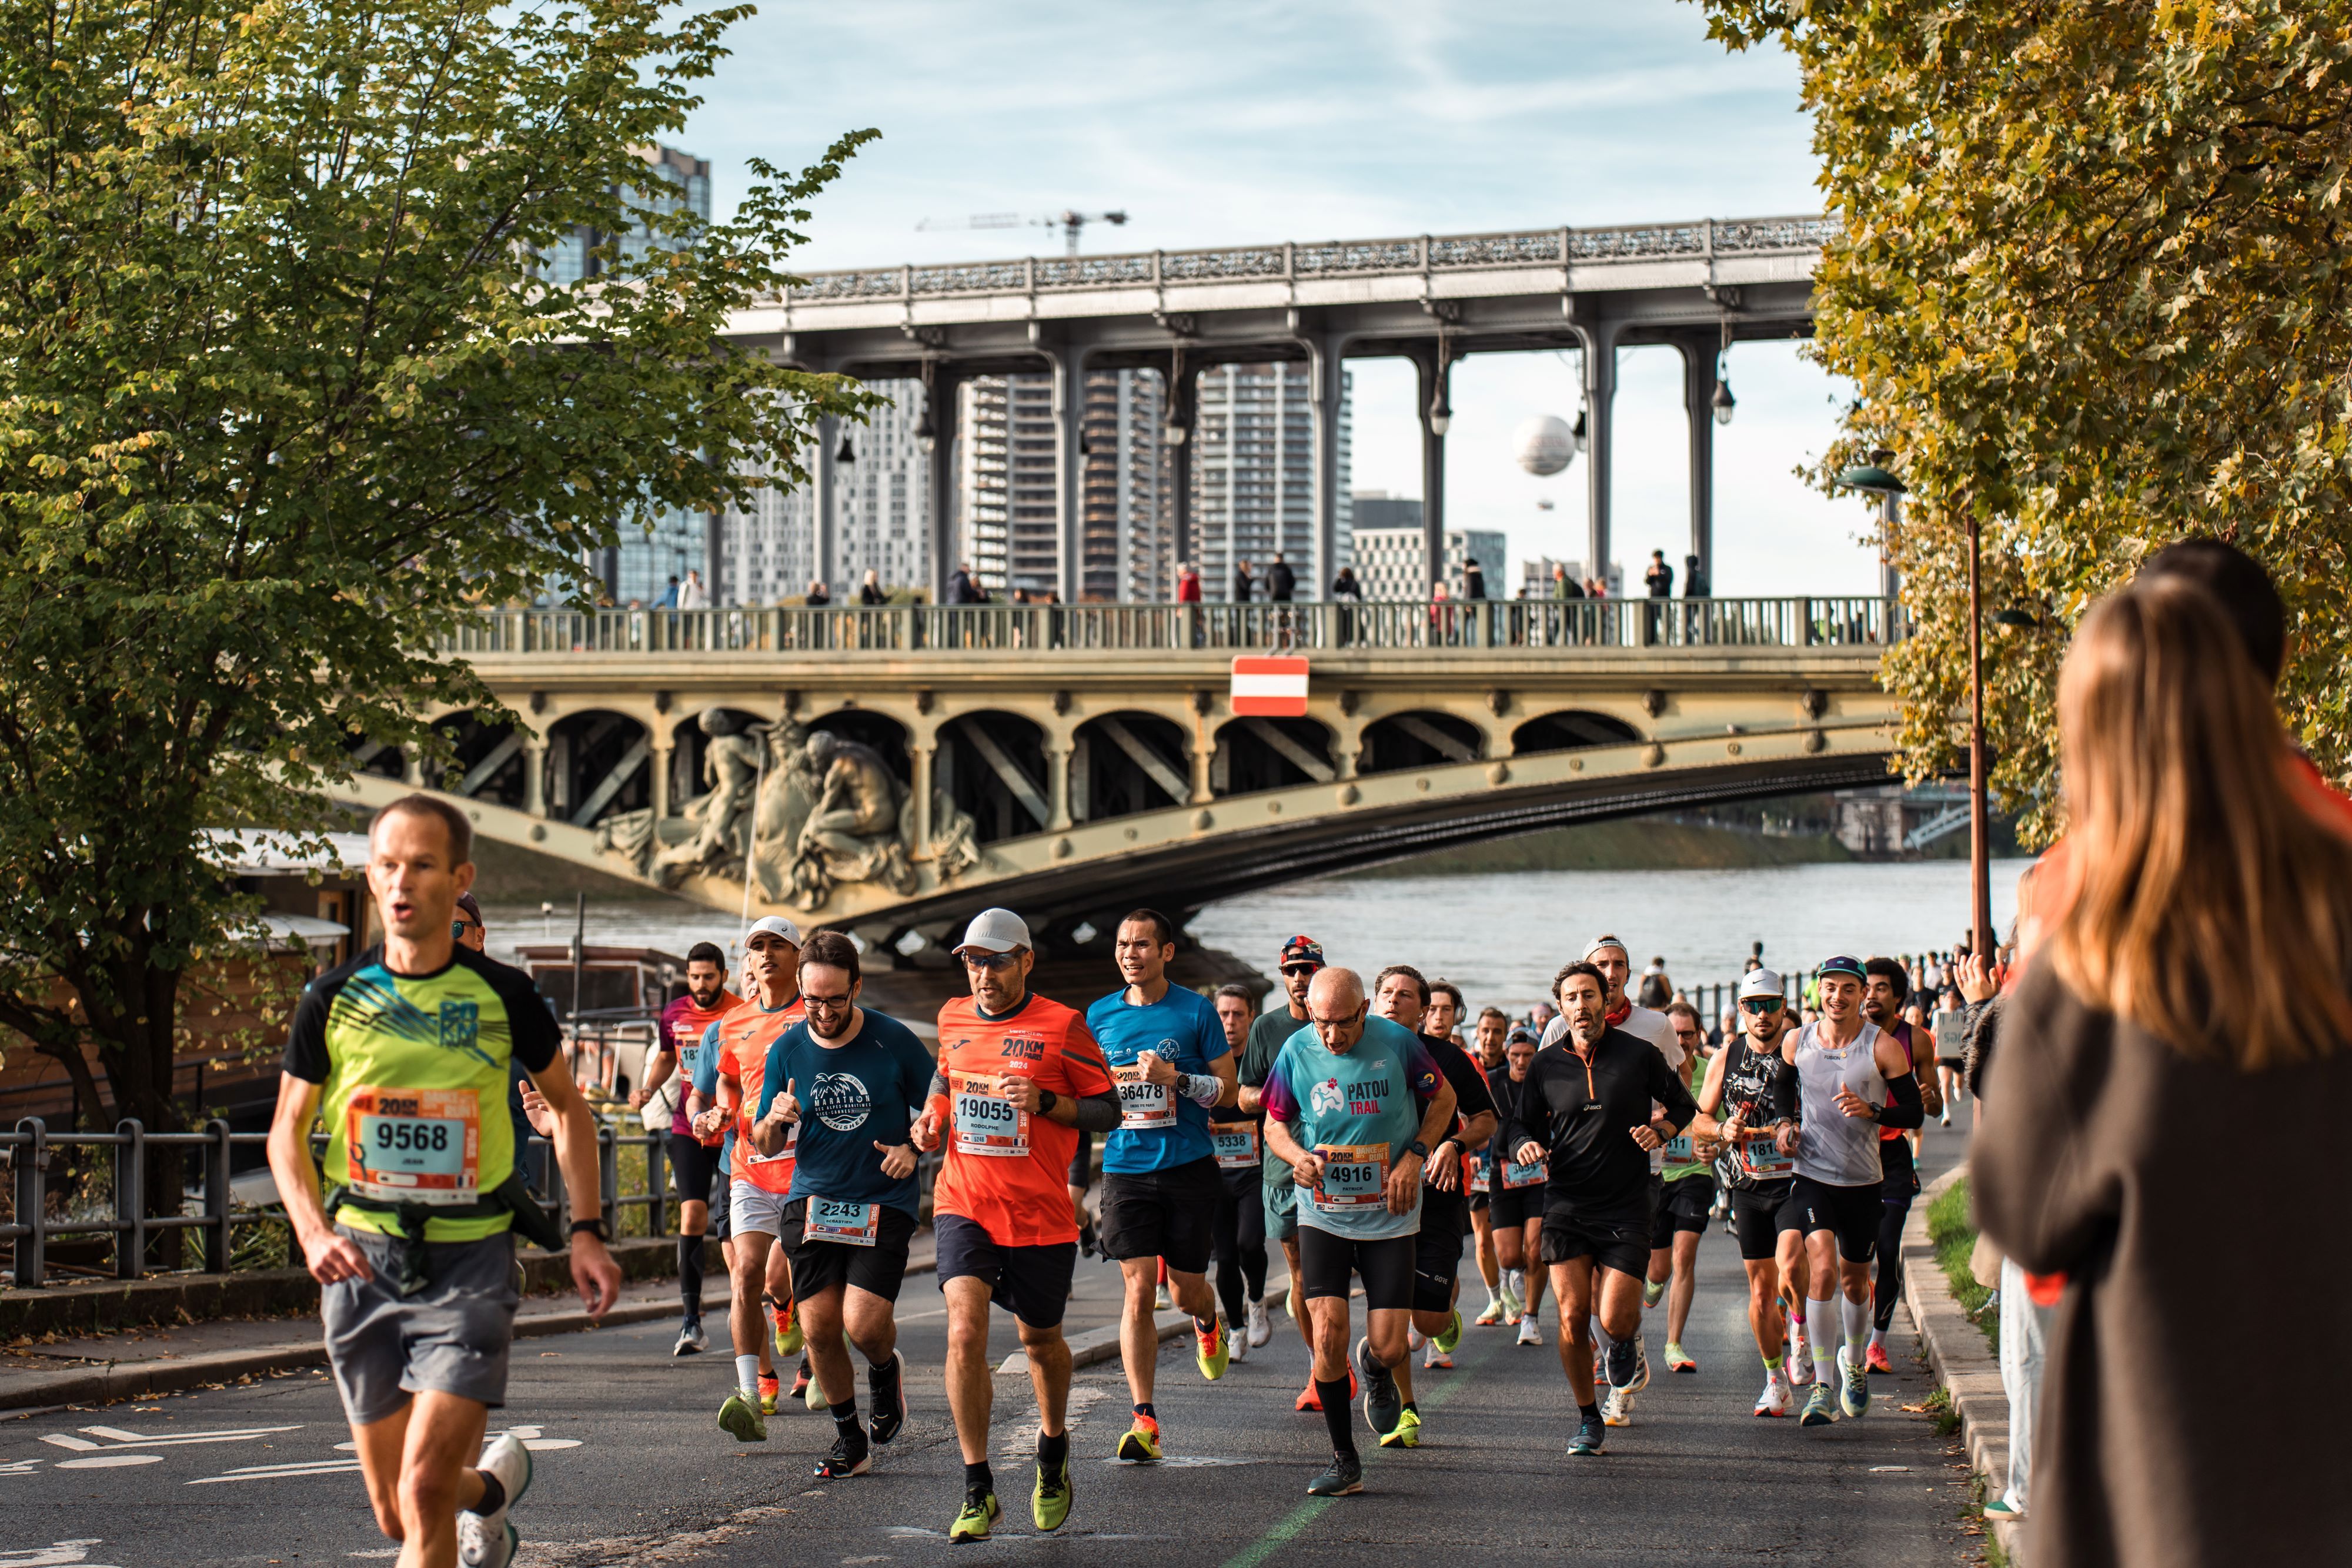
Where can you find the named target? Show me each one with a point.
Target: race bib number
(986, 1123)
(1678, 1150)
(1477, 1179)
(689, 1057)
(1143, 1104)
(414, 1146)
(1762, 1159)
(1355, 1176)
(1523, 1173)
(1236, 1145)
(849, 1224)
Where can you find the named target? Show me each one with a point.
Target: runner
(1442, 1015)
(1161, 1183)
(1856, 1080)
(1882, 999)
(737, 1047)
(1494, 1031)
(1950, 1026)
(1300, 960)
(402, 1055)
(1352, 1105)
(1516, 1198)
(1750, 1100)
(669, 1067)
(843, 1088)
(1592, 1111)
(1238, 1137)
(1681, 1201)
(1018, 1076)
(1401, 997)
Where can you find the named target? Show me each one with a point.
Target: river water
(1499, 935)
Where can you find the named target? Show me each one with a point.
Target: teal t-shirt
(1360, 1110)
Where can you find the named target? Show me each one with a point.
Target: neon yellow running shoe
(1406, 1433)
(1213, 1354)
(789, 1338)
(740, 1419)
(1141, 1444)
(1049, 1499)
(980, 1510)
(1450, 1336)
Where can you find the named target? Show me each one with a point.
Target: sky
(1212, 123)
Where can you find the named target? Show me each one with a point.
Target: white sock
(1878, 1339)
(1824, 1348)
(1854, 1318)
(1492, 1298)
(747, 1376)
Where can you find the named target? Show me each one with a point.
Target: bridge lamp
(926, 437)
(1723, 402)
(1173, 433)
(847, 454)
(1578, 431)
(1441, 412)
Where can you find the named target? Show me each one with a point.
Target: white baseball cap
(1598, 943)
(774, 925)
(995, 931)
(1761, 983)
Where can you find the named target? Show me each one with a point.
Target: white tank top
(1833, 1147)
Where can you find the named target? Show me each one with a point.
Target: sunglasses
(1758, 1006)
(457, 929)
(1302, 968)
(987, 960)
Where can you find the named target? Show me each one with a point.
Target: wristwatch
(593, 1227)
(1418, 1147)
(1046, 1101)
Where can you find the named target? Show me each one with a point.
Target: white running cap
(995, 931)
(774, 925)
(1761, 983)
(1598, 943)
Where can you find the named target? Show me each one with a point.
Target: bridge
(892, 770)
(1698, 285)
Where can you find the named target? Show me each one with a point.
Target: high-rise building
(1009, 473)
(881, 514)
(1254, 474)
(1391, 559)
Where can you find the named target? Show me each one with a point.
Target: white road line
(281, 1472)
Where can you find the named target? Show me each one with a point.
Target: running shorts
(1621, 1242)
(754, 1209)
(1437, 1253)
(1680, 1205)
(1851, 1211)
(449, 1338)
(1761, 1213)
(1281, 1200)
(1326, 1258)
(1168, 1214)
(1478, 1201)
(691, 1164)
(1954, 1062)
(1512, 1207)
(1032, 1282)
(819, 1266)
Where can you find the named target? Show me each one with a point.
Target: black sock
(1589, 1411)
(689, 1276)
(1145, 1409)
(1412, 1406)
(1339, 1414)
(494, 1496)
(1052, 1449)
(977, 1478)
(845, 1420)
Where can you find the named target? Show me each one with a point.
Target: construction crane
(1070, 224)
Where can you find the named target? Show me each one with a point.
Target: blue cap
(1843, 966)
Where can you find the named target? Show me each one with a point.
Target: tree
(2093, 289)
(284, 394)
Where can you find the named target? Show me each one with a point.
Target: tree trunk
(139, 1068)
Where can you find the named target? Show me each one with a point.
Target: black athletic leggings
(1237, 1235)
(1899, 1185)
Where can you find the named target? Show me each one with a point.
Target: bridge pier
(1068, 363)
(824, 497)
(920, 748)
(1437, 371)
(1324, 351)
(1700, 366)
(1599, 338)
(534, 777)
(1058, 748)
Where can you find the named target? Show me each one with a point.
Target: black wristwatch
(593, 1227)
(1046, 1101)
(1418, 1147)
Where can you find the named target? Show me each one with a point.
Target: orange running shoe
(1876, 1359)
(768, 1391)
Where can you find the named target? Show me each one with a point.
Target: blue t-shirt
(1182, 1028)
(1367, 1103)
(706, 1083)
(851, 1097)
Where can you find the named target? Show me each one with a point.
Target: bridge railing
(1567, 625)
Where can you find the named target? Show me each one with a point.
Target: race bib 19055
(986, 1123)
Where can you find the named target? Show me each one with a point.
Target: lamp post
(1873, 480)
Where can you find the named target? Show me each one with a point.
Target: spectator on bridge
(1595, 588)
(1473, 580)
(1188, 583)
(1280, 581)
(1695, 583)
(962, 588)
(1243, 582)
(1345, 585)
(1660, 579)
(691, 594)
(2190, 990)
(669, 600)
(871, 592)
(818, 597)
(1564, 586)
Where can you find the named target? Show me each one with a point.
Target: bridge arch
(1125, 762)
(596, 766)
(1423, 737)
(1270, 754)
(1571, 729)
(993, 765)
(376, 760)
(493, 758)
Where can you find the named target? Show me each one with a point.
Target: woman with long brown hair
(2163, 1102)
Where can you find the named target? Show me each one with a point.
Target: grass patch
(1952, 1228)
(1939, 1406)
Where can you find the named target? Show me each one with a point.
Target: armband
(1201, 1087)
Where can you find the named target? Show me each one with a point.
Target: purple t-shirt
(682, 1027)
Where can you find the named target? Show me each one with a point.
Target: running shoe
(1774, 1401)
(1529, 1333)
(1450, 1335)
(1261, 1325)
(1652, 1294)
(488, 1540)
(1800, 1365)
(1406, 1434)
(1344, 1479)
(1140, 1444)
(1237, 1343)
(740, 1419)
(1874, 1358)
(1514, 1295)
(1050, 1498)
(1592, 1437)
(1817, 1408)
(768, 1388)
(1161, 1301)
(980, 1510)
(1946, 1119)
(1641, 1366)
(847, 1458)
(1617, 1408)
(887, 1386)
(1435, 1359)
(1678, 1359)
(799, 1382)
(1211, 1353)
(2001, 1508)
(1414, 1339)
(691, 1340)
(1384, 1402)
(1853, 1398)
(1492, 1316)
(789, 1338)
(1312, 1400)
(1625, 1358)
(805, 1384)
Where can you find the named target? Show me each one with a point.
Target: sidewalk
(134, 1364)
(1963, 1363)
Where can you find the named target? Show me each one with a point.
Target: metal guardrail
(1566, 626)
(1705, 239)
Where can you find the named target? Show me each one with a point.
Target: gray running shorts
(449, 1338)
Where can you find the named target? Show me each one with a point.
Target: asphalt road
(631, 1469)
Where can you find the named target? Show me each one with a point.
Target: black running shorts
(1512, 1207)
(1621, 1242)
(1761, 1213)
(1851, 1211)
(819, 1266)
(1170, 1214)
(1033, 1282)
(1437, 1252)
(1326, 1258)
(691, 1165)
(1680, 1205)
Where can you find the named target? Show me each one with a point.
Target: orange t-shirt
(1008, 1170)
(744, 1036)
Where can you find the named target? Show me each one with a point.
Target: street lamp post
(1873, 480)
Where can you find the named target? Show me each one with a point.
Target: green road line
(1306, 1513)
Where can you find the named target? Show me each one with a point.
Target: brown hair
(1410, 973)
(834, 951)
(460, 831)
(2201, 900)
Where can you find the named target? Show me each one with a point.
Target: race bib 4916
(1355, 1176)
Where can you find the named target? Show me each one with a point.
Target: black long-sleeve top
(1584, 1114)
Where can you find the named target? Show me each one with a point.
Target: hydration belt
(512, 1195)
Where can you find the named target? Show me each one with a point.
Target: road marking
(21, 1467)
(133, 1440)
(280, 1472)
(60, 1554)
(108, 1461)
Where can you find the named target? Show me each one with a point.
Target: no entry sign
(1269, 687)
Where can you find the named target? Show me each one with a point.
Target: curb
(1955, 1349)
